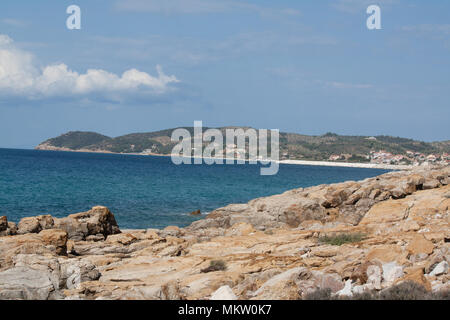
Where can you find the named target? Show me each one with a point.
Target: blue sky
(299, 66)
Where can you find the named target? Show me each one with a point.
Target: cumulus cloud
(20, 76)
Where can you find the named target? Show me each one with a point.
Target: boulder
(374, 276)
(306, 209)
(35, 224)
(334, 198)
(387, 253)
(240, 229)
(78, 271)
(347, 290)
(75, 230)
(331, 281)
(121, 238)
(281, 286)
(98, 220)
(173, 231)
(391, 272)
(57, 238)
(28, 225)
(416, 275)
(7, 228)
(3, 223)
(223, 293)
(30, 243)
(440, 269)
(420, 245)
(387, 211)
(25, 283)
(12, 228)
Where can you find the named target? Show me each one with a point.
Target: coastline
(290, 162)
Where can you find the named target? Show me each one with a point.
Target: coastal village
(410, 158)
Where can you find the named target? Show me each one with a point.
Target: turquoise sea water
(141, 191)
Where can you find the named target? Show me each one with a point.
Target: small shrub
(215, 265)
(367, 295)
(342, 238)
(407, 290)
(319, 294)
(441, 295)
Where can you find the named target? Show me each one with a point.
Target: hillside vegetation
(292, 145)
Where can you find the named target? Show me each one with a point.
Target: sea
(142, 191)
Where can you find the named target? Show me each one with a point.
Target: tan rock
(57, 238)
(420, 245)
(360, 273)
(409, 226)
(387, 253)
(121, 238)
(325, 251)
(98, 220)
(416, 275)
(240, 229)
(388, 211)
(29, 225)
(70, 246)
(35, 224)
(171, 231)
(306, 209)
(3, 223)
(281, 286)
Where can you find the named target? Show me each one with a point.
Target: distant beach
(348, 164)
(297, 162)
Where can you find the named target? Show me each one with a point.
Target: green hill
(292, 145)
(76, 140)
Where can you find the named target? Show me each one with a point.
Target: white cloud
(4, 40)
(20, 76)
(343, 85)
(14, 22)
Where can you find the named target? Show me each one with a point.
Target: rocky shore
(346, 238)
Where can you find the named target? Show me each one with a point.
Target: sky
(307, 67)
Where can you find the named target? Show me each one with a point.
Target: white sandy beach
(296, 162)
(348, 164)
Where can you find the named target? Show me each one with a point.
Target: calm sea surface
(141, 191)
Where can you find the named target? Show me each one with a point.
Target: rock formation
(347, 238)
